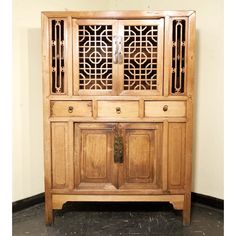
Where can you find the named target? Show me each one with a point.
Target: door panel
(59, 137)
(93, 70)
(94, 164)
(142, 156)
(176, 156)
(141, 69)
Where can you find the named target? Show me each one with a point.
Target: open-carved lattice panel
(57, 56)
(142, 55)
(178, 75)
(94, 66)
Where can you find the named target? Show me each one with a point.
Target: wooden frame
(56, 194)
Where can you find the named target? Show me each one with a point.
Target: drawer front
(71, 108)
(118, 109)
(165, 109)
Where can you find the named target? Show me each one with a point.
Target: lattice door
(118, 57)
(94, 71)
(142, 64)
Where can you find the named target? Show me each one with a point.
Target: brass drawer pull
(70, 109)
(165, 108)
(118, 110)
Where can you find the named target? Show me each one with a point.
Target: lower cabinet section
(118, 162)
(118, 157)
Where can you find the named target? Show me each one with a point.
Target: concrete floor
(109, 219)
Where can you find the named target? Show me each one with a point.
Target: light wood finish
(94, 164)
(97, 72)
(165, 155)
(174, 109)
(71, 108)
(176, 155)
(189, 125)
(118, 14)
(46, 122)
(118, 109)
(142, 157)
(132, 56)
(59, 155)
(59, 200)
(116, 143)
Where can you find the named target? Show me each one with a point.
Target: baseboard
(196, 198)
(208, 200)
(27, 202)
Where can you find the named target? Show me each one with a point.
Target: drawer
(118, 109)
(71, 108)
(165, 108)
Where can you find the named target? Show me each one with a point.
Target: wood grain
(59, 200)
(125, 109)
(93, 156)
(156, 108)
(176, 155)
(71, 108)
(80, 125)
(59, 155)
(142, 157)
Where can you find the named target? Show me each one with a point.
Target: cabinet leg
(49, 216)
(187, 209)
(48, 212)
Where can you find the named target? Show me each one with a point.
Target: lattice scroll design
(178, 80)
(95, 57)
(140, 57)
(57, 56)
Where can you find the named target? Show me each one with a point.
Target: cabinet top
(118, 14)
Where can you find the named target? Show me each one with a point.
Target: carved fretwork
(95, 57)
(178, 75)
(57, 59)
(140, 57)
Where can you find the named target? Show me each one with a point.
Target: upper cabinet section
(91, 54)
(113, 57)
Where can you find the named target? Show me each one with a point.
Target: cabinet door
(94, 72)
(141, 68)
(141, 167)
(94, 165)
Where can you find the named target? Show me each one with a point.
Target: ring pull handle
(165, 108)
(70, 109)
(118, 110)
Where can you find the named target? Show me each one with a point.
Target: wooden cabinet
(118, 107)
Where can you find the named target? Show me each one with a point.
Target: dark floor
(128, 219)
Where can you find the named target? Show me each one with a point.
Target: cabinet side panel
(59, 154)
(176, 155)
